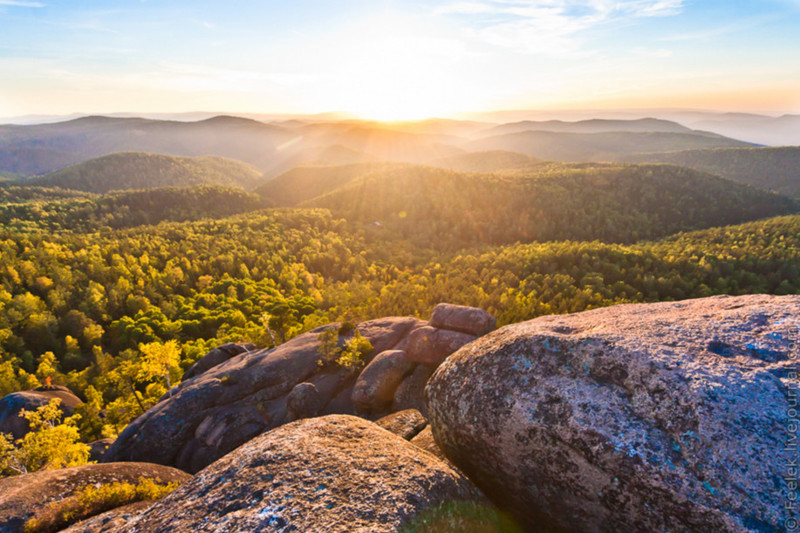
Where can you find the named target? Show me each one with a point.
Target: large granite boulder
(12, 404)
(333, 473)
(231, 402)
(655, 417)
(28, 495)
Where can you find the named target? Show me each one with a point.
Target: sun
(391, 69)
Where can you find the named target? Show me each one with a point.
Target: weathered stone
(654, 417)
(113, 521)
(25, 496)
(424, 439)
(431, 346)
(98, 449)
(232, 402)
(218, 355)
(12, 404)
(470, 320)
(411, 392)
(375, 387)
(333, 473)
(304, 401)
(406, 424)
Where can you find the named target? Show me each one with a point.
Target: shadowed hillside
(135, 170)
(774, 169)
(615, 203)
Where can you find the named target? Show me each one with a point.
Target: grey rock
(405, 424)
(333, 473)
(470, 320)
(431, 346)
(218, 355)
(653, 417)
(375, 387)
(304, 401)
(411, 392)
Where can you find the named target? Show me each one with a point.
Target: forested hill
(776, 169)
(57, 209)
(309, 181)
(491, 161)
(610, 146)
(138, 170)
(607, 202)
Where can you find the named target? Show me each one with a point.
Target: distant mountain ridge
(276, 148)
(137, 170)
(610, 146)
(595, 125)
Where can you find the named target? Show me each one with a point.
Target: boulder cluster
(676, 416)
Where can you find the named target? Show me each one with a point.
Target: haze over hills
(588, 126)
(273, 149)
(137, 170)
(561, 146)
(774, 169)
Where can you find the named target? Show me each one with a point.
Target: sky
(392, 59)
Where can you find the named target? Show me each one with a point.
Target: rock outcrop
(232, 401)
(405, 424)
(652, 417)
(218, 355)
(113, 521)
(332, 473)
(26, 496)
(12, 404)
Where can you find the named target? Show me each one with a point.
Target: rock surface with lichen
(331, 473)
(26, 496)
(646, 417)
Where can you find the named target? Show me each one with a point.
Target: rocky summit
(332, 473)
(652, 417)
(236, 394)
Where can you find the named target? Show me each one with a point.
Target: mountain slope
(305, 182)
(774, 169)
(136, 170)
(33, 207)
(613, 203)
(599, 146)
(589, 126)
(491, 161)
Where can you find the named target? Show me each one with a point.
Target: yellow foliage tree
(50, 444)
